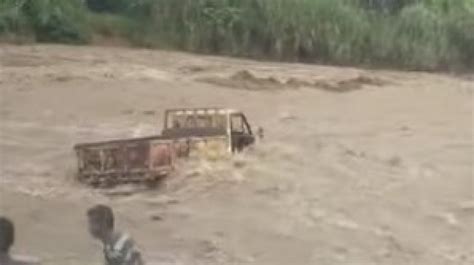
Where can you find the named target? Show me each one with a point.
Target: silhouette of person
(119, 248)
(7, 239)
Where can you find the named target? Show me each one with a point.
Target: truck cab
(209, 122)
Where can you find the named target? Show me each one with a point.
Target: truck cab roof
(202, 111)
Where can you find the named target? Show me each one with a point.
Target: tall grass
(416, 34)
(437, 35)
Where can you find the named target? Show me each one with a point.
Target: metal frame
(195, 111)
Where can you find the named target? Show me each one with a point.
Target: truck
(188, 132)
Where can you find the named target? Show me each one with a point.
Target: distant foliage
(47, 20)
(390, 6)
(12, 18)
(415, 34)
(57, 20)
(108, 6)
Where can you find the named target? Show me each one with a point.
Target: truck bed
(142, 159)
(126, 160)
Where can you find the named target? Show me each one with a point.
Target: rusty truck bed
(128, 160)
(141, 159)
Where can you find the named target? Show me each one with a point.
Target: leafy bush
(416, 34)
(12, 19)
(57, 20)
(48, 20)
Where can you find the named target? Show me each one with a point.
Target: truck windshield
(178, 121)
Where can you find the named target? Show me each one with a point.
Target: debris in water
(395, 161)
(156, 217)
(127, 112)
(247, 80)
(149, 112)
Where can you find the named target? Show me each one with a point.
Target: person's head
(101, 221)
(7, 234)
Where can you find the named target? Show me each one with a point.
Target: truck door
(240, 132)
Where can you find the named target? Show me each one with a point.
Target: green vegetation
(45, 20)
(414, 34)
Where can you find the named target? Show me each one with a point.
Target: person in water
(119, 248)
(7, 239)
